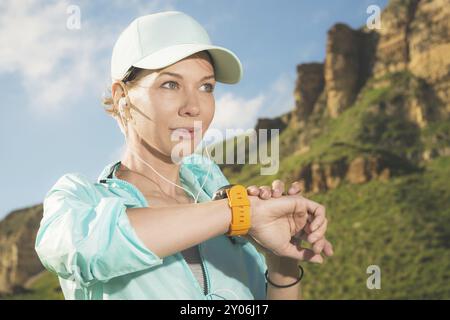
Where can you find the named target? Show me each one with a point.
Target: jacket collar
(193, 171)
(108, 171)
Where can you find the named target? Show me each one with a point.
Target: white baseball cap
(158, 40)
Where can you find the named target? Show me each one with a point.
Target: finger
(277, 188)
(318, 233)
(319, 245)
(253, 190)
(328, 248)
(301, 254)
(309, 255)
(317, 222)
(295, 187)
(316, 210)
(300, 220)
(265, 192)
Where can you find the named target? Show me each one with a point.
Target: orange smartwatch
(240, 208)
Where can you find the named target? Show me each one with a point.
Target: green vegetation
(402, 225)
(44, 287)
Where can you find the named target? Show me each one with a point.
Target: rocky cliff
(414, 37)
(397, 77)
(18, 259)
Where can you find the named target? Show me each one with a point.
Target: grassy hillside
(402, 225)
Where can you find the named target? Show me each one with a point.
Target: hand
(313, 231)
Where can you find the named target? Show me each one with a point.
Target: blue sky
(52, 78)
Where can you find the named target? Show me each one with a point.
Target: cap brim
(227, 67)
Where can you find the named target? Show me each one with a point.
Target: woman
(139, 231)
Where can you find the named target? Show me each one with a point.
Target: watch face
(221, 192)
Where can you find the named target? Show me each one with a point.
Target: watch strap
(240, 210)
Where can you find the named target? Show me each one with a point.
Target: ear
(117, 92)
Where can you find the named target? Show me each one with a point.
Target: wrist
(282, 266)
(281, 281)
(227, 217)
(283, 271)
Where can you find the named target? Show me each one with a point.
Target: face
(166, 100)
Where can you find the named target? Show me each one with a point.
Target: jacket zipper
(205, 274)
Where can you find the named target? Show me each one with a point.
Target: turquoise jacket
(85, 237)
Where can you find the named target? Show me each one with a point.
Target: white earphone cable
(209, 169)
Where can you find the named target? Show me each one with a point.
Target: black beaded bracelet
(288, 285)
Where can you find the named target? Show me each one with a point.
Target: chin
(182, 148)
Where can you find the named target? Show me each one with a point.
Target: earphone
(122, 105)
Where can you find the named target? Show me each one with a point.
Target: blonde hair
(130, 79)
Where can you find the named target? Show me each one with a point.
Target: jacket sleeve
(87, 237)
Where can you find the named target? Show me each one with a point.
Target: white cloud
(217, 22)
(117, 153)
(280, 96)
(58, 65)
(234, 112)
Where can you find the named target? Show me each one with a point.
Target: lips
(185, 132)
(184, 128)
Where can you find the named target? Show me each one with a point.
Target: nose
(191, 107)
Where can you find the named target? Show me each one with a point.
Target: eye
(174, 85)
(210, 87)
(170, 82)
